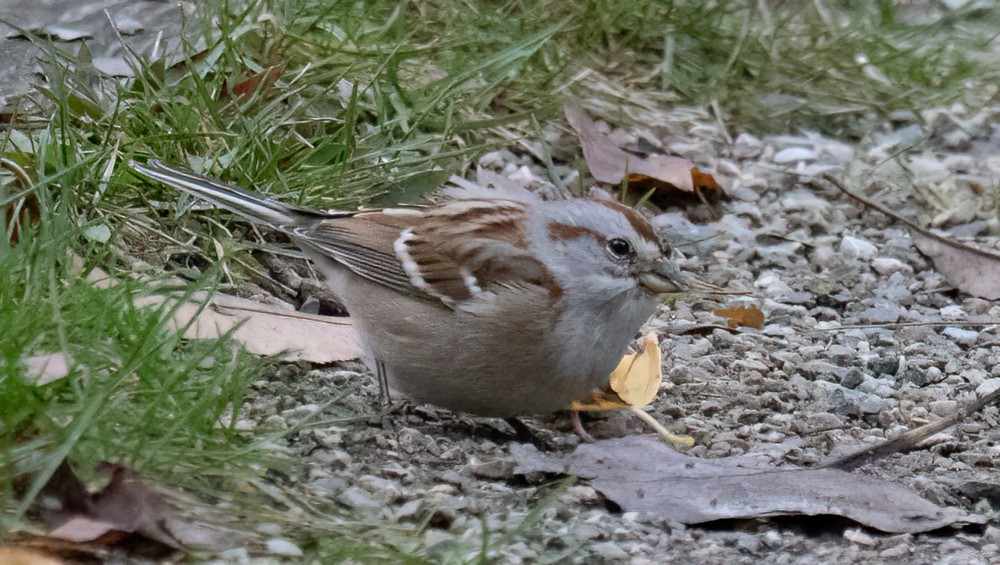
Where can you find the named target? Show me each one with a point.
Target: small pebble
(793, 154)
(609, 550)
(859, 537)
(857, 248)
(962, 337)
(283, 547)
(886, 266)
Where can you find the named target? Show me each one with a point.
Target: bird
(492, 302)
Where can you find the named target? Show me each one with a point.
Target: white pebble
(888, 265)
(794, 154)
(861, 538)
(269, 528)
(857, 247)
(953, 311)
(989, 386)
(960, 336)
(283, 547)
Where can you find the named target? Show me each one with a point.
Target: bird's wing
(450, 253)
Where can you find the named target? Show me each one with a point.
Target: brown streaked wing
(448, 254)
(364, 244)
(474, 246)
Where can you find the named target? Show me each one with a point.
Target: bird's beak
(664, 277)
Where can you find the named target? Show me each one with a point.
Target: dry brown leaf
(244, 90)
(125, 506)
(642, 475)
(126, 514)
(971, 269)
(742, 317)
(266, 330)
(672, 180)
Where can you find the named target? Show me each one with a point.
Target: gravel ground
(803, 389)
(824, 377)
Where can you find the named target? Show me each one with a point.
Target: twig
(910, 438)
(893, 325)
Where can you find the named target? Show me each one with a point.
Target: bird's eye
(620, 248)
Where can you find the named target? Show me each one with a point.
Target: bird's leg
(579, 429)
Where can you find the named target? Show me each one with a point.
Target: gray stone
(962, 336)
(884, 364)
(609, 551)
(357, 498)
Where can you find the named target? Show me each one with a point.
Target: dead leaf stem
(664, 433)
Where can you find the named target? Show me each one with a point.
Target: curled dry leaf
(126, 506)
(642, 475)
(742, 317)
(126, 515)
(23, 212)
(637, 377)
(634, 384)
(671, 181)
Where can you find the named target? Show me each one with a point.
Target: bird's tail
(251, 205)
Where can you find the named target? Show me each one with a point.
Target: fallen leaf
(669, 181)
(126, 513)
(259, 82)
(634, 384)
(638, 376)
(80, 529)
(742, 317)
(44, 369)
(265, 329)
(125, 506)
(971, 269)
(643, 475)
